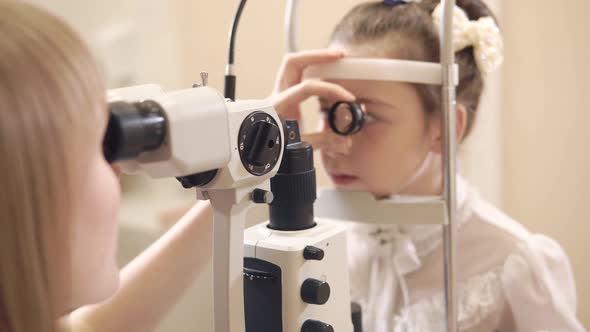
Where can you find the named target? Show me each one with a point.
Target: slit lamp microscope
(288, 274)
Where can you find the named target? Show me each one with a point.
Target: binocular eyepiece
(133, 128)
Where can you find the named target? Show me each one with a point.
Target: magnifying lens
(346, 118)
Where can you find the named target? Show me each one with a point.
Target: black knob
(260, 196)
(313, 253)
(311, 325)
(314, 291)
(197, 180)
(356, 316)
(262, 143)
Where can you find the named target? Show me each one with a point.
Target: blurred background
(526, 154)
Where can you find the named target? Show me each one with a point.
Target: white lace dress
(509, 279)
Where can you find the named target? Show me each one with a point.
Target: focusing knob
(313, 253)
(311, 325)
(261, 196)
(260, 143)
(314, 291)
(197, 180)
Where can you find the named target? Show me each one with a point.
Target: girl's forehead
(374, 88)
(400, 95)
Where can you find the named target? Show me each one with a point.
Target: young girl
(509, 279)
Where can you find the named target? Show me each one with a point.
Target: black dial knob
(260, 143)
(311, 325)
(314, 291)
(357, 317)
(313, 253)
(261, 196)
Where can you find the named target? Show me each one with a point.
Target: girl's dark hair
(409, 33)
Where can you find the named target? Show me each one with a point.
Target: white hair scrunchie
(483, 34)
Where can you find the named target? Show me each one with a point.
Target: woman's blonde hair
(50, 89)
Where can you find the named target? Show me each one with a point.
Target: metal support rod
(230, 207)
(449, 164)
(291, 25)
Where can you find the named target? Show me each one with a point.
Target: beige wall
(134, 40)
(545, 116)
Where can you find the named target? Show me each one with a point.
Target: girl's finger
(293, 96)
(295, 63)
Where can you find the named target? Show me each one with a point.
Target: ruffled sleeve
(539, 287)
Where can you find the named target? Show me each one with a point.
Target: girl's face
(390, 154)
(93, 245)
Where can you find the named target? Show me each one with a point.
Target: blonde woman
(59, 198)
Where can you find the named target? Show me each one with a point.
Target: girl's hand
(294, 64)
(290, 90)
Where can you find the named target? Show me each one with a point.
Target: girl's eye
(369, 118)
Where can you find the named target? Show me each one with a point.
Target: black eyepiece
(133, 128)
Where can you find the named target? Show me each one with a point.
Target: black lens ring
(133, 128)
(356, 112)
